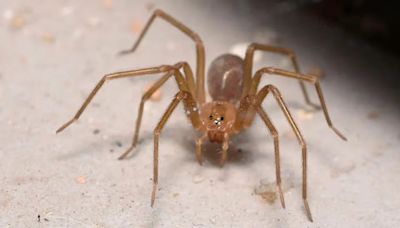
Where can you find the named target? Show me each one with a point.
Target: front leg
(225, 146)
(199, 143)
(113, 76)
(181, 95)
(183, 84)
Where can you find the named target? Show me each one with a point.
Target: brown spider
(236, 99)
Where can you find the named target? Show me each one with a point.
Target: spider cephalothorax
(218, 118)
(225, 84)
(236, 99)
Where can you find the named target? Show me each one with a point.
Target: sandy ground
(53, 53)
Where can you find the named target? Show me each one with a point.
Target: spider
(236, 99)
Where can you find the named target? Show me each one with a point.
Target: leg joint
(196, 38)
(165, 68)
(274, 133)
(157, 132)
(145, 97)
(268, 70)
(273, 89)
(303, 144)
(251, 48)
(159, 12)
(179, 65)
(181, 95)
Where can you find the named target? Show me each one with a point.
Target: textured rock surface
(51, 56)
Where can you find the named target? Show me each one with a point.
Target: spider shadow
(238, 152)
(114, 144)
(327, 157)
(314, 148)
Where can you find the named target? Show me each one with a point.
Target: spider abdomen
(225, 78)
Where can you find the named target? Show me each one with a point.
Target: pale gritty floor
(53, 53)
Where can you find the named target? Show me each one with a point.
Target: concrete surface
(51, 55)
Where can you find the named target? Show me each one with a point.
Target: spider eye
(210, 117)
(217, 122)
(221, 118)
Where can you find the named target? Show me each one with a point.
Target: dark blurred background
(377, 22)
(375, 25)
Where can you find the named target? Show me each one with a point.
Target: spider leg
(108, 77)
(181, 95)
(190, 103)
(275, 135)
(248, 66)
(259, 99)
(180, 80)
(199, 143)
(303, 77)
(225, 146)
(200, 51)
(145, 97)
(245, 113)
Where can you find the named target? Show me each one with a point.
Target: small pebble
(304, 115)
(80, 180)
(96, 131)
(48, 37)
(136, 26)
(118, 143)
(213, 221)
(17, 22)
